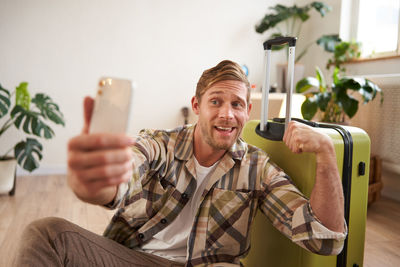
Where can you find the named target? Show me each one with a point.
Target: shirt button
(141, 236)
(184, 196)
(163, 221)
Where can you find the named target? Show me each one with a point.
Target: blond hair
(225, 71)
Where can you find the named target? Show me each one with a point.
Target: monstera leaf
(48, 109)
(22, 96)
(4, 101)
(281, 13)
(32, 124)
(28, 154)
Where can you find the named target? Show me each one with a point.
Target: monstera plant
(30, 116)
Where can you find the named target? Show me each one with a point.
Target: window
(373, 23)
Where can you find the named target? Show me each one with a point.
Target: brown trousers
(57, 242)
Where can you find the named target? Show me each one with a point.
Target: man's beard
(207, 131)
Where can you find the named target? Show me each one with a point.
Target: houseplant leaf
(350, 83)
(22, 96)
(335, 75)
(306, 83)
(321, 80)
(328, 42)
(269, 21)
(28, 154)
(32, 124)
(321, 7)
(4, 101)
(301, 12)
(366, 95)
(323, 100)
(369, 91)
(281, 13)
(48, 109)
(309, 107)
(344, 51)
(348, 103)
(281, 9)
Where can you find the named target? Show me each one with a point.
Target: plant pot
(281, 72)
(8, 176)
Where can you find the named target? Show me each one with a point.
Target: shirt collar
(184, 145)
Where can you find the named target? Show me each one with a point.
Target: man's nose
(226, 112)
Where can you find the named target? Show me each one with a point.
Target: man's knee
(36, 245)
(47, 228)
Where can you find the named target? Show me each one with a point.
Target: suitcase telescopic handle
(291, 41)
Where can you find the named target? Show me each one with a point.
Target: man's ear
(249, 109)
(195, 105)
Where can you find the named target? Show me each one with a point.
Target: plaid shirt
(244, 180)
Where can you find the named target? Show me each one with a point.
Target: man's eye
(237, 104)
(214, 102)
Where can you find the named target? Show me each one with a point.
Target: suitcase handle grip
(279, 41)
(309, 123)
(266, 84)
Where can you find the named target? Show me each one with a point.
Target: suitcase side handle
(266, 84)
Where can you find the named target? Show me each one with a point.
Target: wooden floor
(382, 239)
(41, 196)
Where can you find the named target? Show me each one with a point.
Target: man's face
(222, 112)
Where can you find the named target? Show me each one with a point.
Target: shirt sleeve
(290, 212)
(147, 157)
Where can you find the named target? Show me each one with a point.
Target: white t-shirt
(171, 242)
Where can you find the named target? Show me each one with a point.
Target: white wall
(63, 47)
(313, 29)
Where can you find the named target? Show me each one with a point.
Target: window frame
(349, 25)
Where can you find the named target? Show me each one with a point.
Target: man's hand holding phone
(98, 161)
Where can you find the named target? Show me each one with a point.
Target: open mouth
(225, 129)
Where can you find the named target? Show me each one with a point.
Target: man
(188, 196)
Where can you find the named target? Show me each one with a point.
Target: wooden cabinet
(375, 179)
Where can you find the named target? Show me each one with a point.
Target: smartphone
(113, 106)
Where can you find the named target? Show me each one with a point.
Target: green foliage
(28, 153)
(293, 18)
(282, 13)
(337, 101)
(22, 96)
(4, 101)
(328, 42)
(343, 52)
(32, 117)
(49, 109)
(32, 123)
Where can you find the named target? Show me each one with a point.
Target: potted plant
(336, 101)
(288, 21)
(31, 117)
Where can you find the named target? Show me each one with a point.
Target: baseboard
(43, 170)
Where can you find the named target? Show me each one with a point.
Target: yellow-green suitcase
(268, 246)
